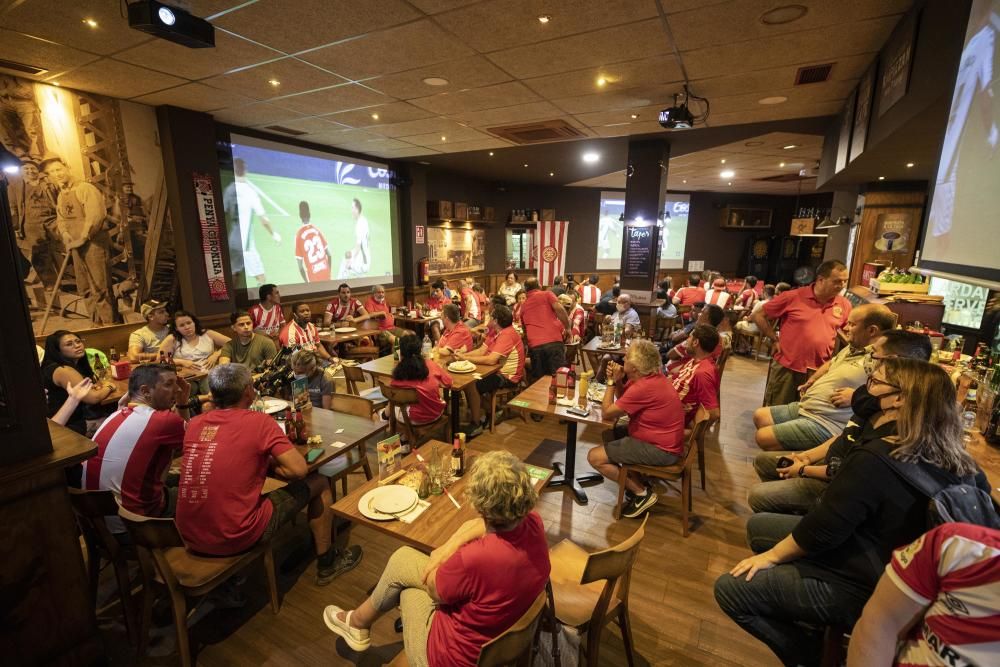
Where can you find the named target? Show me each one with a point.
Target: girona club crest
(549, 254)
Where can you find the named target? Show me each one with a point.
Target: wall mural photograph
(89, 206)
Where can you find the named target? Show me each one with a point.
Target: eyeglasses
(873, 381)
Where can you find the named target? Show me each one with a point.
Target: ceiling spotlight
(777, 99)
(374, 116)
(881, 178)
(444, 138)
(728, 173)
(723, 160)
(781, 164)
(90, 23)
(634, 116)
(751, 144)
(525, 164)
(790, 147)
(436, 81)
(591, 158)
(729, 183)
(552, 173)
(783, 14)
(601, 81)
(491, 153)
(274, 83)
(909, 165)
(544, 18)
(684, 181)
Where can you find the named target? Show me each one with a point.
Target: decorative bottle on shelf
(113, 355)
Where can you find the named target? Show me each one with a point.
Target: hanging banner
(551, 243)
(211, 237)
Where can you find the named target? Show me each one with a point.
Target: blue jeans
(766, 529)
(773, 605)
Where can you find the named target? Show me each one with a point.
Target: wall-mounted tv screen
(307, 220)
(964, 304)
(672, 237)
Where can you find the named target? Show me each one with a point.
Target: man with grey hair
(227, 455)
(655, 432)
(624, 315)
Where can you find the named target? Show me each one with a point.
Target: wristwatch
(802, 470)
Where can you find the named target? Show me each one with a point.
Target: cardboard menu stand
(390, 456)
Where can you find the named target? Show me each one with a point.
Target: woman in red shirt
(519, 300)
(436, 302)
(472, 588)
(415, 372)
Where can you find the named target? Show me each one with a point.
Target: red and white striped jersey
(134, 446)
(343, 311)
(578, 321)
(589, 294)
(293, 335)
(954, 571)
(265, 321)
(746, 299)
(719, 297)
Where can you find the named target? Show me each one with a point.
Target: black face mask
(864, 404)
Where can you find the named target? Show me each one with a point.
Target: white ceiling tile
(459, 134)
(230, 52)
(338, 98)
(473, 72)
(644, 72)
(508, 115)
(477, 99)
(619, 99)
(393, 112)
(260, 113)
(293, 75)
(415, 127)
(63, 22)
(40, 53)
(195, 96)
(117, 79)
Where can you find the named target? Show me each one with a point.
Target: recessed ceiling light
(684, 181)
(881, 178)
(90, 23)
(910, 164)
(754, 143)
(777, 99)
(729, 183)
(591, 158)
(544, 18)
(424, 162)
(552, 173)
(781, 164)
(374, 116)
(723, 160)
(790, 147)
(491, 153)
(601, 81)
(274, 83)
(444, 138)
(525, 164)
(436, 81)
(783, 14)
(634, 116)
(55, 83)
(728, 173)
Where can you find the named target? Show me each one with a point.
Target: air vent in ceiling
(813, 74)
(285, 130)
(21, 67)
(537, 132)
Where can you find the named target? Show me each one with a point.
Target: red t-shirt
(578, 322)
(437, 304)
(134, 447)
(430, 406)
(485, 587)
(373, 306)
(469, 303)
(808, 327)
(697, 383)
(655, 412)
(460, 336)
(293, 334)
(688, 296)
(311, 249)
(541, 326)
(516, 313)
(746, 299)
(508, 342)
(220, 511)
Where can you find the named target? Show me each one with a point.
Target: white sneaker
(358, 640)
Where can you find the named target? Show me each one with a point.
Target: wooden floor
(674, 615)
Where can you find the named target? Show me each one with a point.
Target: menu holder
(300, 394)
(389, 457)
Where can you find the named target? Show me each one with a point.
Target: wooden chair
(663, 327)
(166, 561)
(91, 508)
(679, 471)
(356, 457)
(417, 434)
(589, 590)
(354, 379)
(682, 311)
(573, 356)
(502, 397)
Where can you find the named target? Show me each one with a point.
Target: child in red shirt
(415, 372)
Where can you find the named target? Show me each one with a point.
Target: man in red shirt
(808, 318)
(655, 433)
(301, 332)
(378, 309)
(267, 315)
(576, 314)
(436, 301)
(456, 336)
(506, 345)
(311, 249)
(588, 291)
(135, 444)
(469, 304)
(690, 295)
(227, 455)
(344, 308)
(697, 379)
(748, 295)
(545, 324)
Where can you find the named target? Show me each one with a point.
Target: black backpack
(951, 499)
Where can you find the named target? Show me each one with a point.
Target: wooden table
(535, 399)
(418, 324)
(382, 367)
(593, 350)
(439, 521)
(988, 458)
(121, 386)
(331, 339)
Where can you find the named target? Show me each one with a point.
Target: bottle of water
(426, 347)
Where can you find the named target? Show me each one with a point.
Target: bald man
(821, 412)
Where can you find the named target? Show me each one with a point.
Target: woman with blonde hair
(470, 589)
(824, 566)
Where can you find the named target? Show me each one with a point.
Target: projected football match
(611, 224)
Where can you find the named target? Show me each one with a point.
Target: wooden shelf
(437, 222)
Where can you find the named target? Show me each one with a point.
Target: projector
(171, 23)
(677, 118)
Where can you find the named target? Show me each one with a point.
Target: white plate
(273, 405)
(346, 329)
(387, 497)
(453, 369)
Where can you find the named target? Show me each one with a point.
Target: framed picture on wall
(897, 63)
(846, 124)
(863, 111)
(739, 217)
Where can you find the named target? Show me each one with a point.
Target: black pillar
(645, 190)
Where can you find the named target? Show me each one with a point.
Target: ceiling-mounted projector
(679, 116)
(171, 23)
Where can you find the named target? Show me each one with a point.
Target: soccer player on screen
(244, 195)
(311, 250)
(361, 256)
